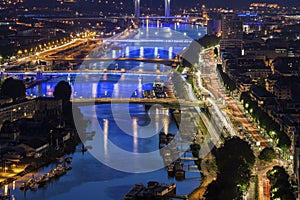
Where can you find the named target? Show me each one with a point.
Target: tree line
(235, 160)
(265, 121)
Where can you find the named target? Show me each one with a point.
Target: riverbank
(45, 160)
(206, 166)
(209, 174)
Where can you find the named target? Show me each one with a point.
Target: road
(45, 53)
(231, 112)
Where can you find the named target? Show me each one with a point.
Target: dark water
(92, 179)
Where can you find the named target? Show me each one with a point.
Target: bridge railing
(146, 40)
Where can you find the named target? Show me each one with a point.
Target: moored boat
(42, 180)
(59, 171)
(170, 170)
(68, 160)
(137, 188)
(26, 186)
(51, 174)
(33, 186)
(153, 191)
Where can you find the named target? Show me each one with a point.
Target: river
(90, 178)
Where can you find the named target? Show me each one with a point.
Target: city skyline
(180, 4)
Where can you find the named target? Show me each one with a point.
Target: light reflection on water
(90, 179)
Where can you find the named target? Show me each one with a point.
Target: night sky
(246, 3)
(221, 3)
(188, 3)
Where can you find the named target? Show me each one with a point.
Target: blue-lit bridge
(83, 72)
(169, 62)
(164, 41)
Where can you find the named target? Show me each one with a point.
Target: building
(16, 110)
(282, 90)
(260, 95)
(232, 33)
(286, 66)
(39, 109)
(214, 27)
(244, 84)
(48, 108)
(270, 83)
(36, 146)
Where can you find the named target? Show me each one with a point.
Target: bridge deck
(180, 102)
(173, 41)
(90, 59)
(85, 71)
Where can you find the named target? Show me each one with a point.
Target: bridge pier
(39, 75)
(82, 67)
(147, 107)
(137, 11)
(91, 65)
(158, 67)
(167, 8)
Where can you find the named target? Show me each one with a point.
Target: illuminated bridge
(147, 101)
(88, 59)
(170, 41)
(83, 72)
(186, 18)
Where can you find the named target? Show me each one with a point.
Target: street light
(246, 105)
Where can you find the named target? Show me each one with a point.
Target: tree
(13, 88)
(231, 85)
(216, 52)
(63, 91)
(280, 185)
(267, 154)
(9, 127)
(284, 141)
(209, 41)
(234, 161)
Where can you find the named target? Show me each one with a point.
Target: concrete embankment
(190, 119)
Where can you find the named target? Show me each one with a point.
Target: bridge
(186, 18)
(169, 62)
(83, 72)
(170, 41)
(147, 101)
